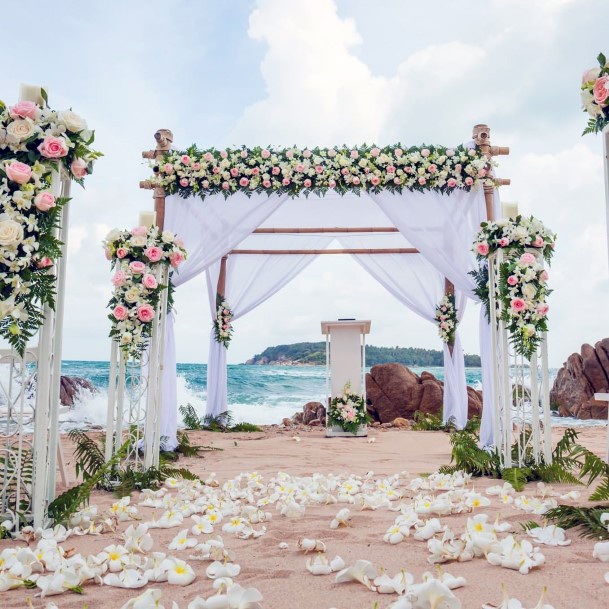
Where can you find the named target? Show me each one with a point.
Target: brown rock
(321, 413)
(70, 387)
(315, 423)
(591, 409)
(309, 412)
(593, 368)
(297, 418)
(386, 425)
(402, 423)
(571, 388)
(393, 391)
(287, 422)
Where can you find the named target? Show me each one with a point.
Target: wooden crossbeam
(393, 250)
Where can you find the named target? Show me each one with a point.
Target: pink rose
(44, 201)
(244, 182)
(225, 185)
(481, 172)
(119, 279)
(121, 252)
(215, 170)
(44, 262)
(504, 242)
(266, 183)
(538, 241)
(290, 154)
(306, 153)
(223, 154)
(375, 151)
(275, 171)
(79, 168)
(422, 181)
(139, 231)
(307, 183)
(255, 171)
(543, 308)
(300, 168)
(390, 169)
(243, 154)
(208, 157)
(433, 168)
(265, 154)
(601, 90)
(120, 312)
(185, 159)
(53, 147)
(285, 181)
(482, 248)
(184, 182)
(145, 313)
(319, 169)
(153, 253)
(168, 168)
(450, 152)
(409, 169)
(451, 182)
(331, 184)
(396, 181)
(18, 172)
(518, 305)
(356, 181)
(544, 276)
(512, 280)
(354, 154)
(25, 109)
(458, 167)
(527, 259)
(425, 152)
(234, 172)
(149, 281)
(205, 183)
(345, 171)
(398, 152)
(375, 180)
(331, 153)
(469, 181)
(175, 259)
(196, 166)
(137, 267)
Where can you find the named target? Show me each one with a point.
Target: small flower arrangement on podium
(136, 255)
(347, 415)
(223, 326)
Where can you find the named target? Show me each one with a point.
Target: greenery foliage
(223, 422)
(426, 421)
(586, 519)
(315, 354)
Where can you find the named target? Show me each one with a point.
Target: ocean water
(257, 394)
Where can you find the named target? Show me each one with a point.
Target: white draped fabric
(250, 280)
(419, 286)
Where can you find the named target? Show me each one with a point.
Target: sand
(573, 577)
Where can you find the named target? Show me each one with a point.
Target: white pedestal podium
(345, 363)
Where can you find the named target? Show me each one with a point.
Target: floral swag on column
(34, 142)
(522, 289)
(223, 324)
(446, 317)
(595, 96)
(136, 255)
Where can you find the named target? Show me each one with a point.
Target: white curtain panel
(250, 280)
(419, 286)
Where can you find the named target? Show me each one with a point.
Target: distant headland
(314, 354)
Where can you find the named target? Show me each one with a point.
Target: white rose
(530, 330)
(132, 295)
(72, 121)
(20, 130)
(529, 291)
(126, 338)
(138, 241)
(519, 233)
(11, 232)
(113, 235)
(167, 236)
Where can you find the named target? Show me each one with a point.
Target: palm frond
(88, 455)
(586, 519)
(190, 417)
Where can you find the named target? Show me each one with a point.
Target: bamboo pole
(221, 288)
(289, 231)
(395, 250)
(164, 139)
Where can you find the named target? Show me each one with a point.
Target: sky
(324, 72)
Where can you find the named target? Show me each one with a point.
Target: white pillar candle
(509, 210)
(147, 218)
(31, 93)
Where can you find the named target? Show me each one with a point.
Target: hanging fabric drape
(250, 280)
(419, 286)
(209, 229)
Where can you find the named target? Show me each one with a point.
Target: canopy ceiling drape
(440, 226)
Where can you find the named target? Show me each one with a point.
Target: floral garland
(223, 326)
(343, 169)
(34, 141)
(595, 96)
(446, 316)
(136, 255)
(522, 288)
(348, 411)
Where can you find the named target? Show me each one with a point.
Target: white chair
(15, 392)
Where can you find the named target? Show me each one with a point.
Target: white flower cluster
(348, 411)
(223, 326)
(33, 140)
(295, 170)
(446, 316)
(136, 256)
(595, 95)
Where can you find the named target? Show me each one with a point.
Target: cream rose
(132, 295)
(529, 291)
(11, 232)
(113, 235)
(20, 130)
(72, 121)
(138, 241)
